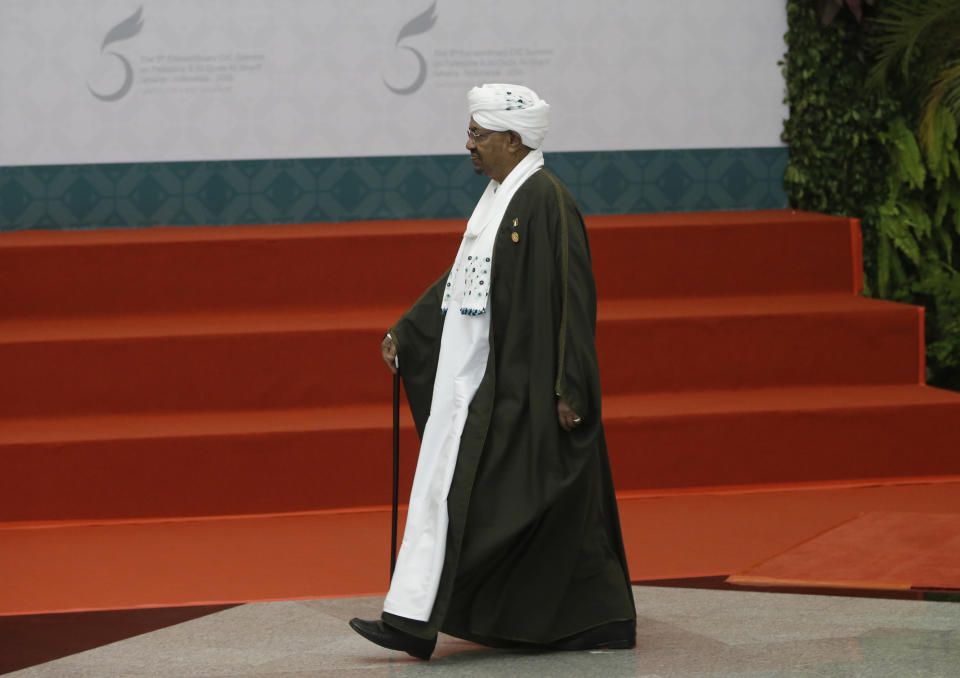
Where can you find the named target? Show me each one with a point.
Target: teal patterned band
(352, 189)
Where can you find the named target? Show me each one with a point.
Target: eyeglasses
(477, 136)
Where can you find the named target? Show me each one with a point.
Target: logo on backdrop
(416, 26)
(124, 30)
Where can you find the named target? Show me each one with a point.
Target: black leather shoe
(621, 635)
(393, 639)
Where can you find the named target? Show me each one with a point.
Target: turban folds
(511, 107)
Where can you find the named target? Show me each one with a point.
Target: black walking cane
(396, 471)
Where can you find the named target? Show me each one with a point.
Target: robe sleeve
(577, 376)
(417, 338)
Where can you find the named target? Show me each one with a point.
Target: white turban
(511, 107)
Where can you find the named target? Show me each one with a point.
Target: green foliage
(918, 45)
(838, 161)
(873, 134)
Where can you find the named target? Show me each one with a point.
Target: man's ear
(516, 142)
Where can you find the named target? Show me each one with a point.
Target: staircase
(208, 371)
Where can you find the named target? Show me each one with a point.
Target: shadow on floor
(28, 640)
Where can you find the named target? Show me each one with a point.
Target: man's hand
(388, 351)
(569, 419)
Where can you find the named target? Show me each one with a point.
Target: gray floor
(681, 632)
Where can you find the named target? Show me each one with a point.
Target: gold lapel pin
(515, 237)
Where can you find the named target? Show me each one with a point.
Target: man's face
(489, 152)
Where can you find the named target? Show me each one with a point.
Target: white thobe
(464, 348)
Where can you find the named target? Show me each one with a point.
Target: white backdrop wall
(100, 81)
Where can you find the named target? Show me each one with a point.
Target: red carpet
(49, 567)
(177, 270)
(213, 373)
(879, 550)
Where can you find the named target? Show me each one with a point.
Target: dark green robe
(534, 551)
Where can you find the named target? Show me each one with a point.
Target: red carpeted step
(782, 434)
(192, 463)
(162, 270)
(277, 359)
(177, 270)
(263, 360)
(724, 253)
(243, 462)
(754, 342)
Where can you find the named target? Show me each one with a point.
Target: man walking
(512, 536)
